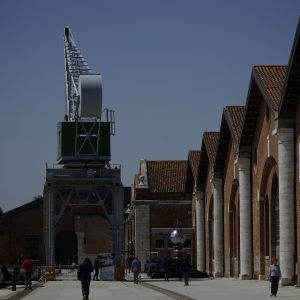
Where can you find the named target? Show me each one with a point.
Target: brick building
(209, 214)
(161, 198)
(249, 179)
(81, 231)
(226, 168)
(21, 233)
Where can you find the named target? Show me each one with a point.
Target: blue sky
(168, 67)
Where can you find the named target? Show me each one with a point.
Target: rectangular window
(159, 244)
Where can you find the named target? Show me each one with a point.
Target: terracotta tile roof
(211, 140)
(168, 176)
(272, 78)
(235, 119)
(194, 160)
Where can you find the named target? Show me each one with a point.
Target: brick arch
(269, 182)
(234, 229)
(269, 169)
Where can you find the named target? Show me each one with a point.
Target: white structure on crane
(83, 87)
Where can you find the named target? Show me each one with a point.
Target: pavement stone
(157, 289)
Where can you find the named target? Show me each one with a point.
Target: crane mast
(75, 65)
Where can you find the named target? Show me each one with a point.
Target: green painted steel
(86, 145)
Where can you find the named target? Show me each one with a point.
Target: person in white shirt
(274, 274)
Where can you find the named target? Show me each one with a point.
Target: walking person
(136, 269)
(274, 274)
(185, 268)
(96, 267)
(84, 275)
(167, 266)
(128, 264)
(27, 265)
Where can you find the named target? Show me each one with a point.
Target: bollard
(13, 286)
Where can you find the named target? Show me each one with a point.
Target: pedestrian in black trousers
(136, 269)
(275, 274)
(167, 265)
(84, 275)
(185, 268)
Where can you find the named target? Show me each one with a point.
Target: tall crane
(84, 184)
(83, 136)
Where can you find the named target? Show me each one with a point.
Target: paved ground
(202, 289)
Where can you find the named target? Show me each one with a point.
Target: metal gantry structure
(84, 177)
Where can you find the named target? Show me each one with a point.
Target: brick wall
(17, 225)
(230, 175)
(262, 180)
(297, 178)
(166, 215)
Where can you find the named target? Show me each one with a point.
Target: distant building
(21, 233)
(161, 198)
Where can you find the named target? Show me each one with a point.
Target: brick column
(286, 165)
(245, 218)
(142, 231)
(200, 232)
(218, 228)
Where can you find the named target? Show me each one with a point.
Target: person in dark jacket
(84, 275)
(185, 268)
(136, 269)
(167, 266)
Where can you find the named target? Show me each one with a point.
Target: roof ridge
(273, 66)
(166, 160)
(234, 120)
(270, 81)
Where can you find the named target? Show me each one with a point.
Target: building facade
(161, 201)
(81, 230)
(250, 178)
